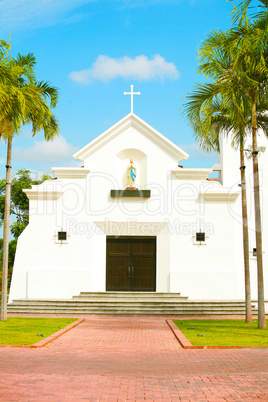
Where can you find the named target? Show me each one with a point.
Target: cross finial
(132, 93)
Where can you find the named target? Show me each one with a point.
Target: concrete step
(127, 294)
(114, 303)
(132, 308)
(168, 303)
(123, 305)
(133, 312)
(132, 303)
(126, 299)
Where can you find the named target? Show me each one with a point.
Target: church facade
(133, 219)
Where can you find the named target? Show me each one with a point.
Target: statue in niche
(131, 176)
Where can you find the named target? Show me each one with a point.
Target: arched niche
(122, 163)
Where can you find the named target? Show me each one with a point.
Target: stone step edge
(126, 309)
(127, 305)
(131, 293)
(122, 302)
(223, 302)
(171, 313)
(77, 298)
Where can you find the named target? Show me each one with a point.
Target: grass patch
(223, 332)
(27, 331)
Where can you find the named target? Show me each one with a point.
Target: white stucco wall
(230, 162)
(177, 209)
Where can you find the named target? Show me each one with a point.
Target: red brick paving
(130, 359)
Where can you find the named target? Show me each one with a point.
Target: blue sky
(93, 50)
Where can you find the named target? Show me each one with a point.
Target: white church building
(166, 228)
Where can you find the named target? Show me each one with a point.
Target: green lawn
(223, 332)
(27, 331)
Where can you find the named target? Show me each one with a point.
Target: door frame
(132, 238)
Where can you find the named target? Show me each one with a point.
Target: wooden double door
(131, 264)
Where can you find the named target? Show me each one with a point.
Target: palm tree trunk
(245, 231)
(258, 231)
(6, 233)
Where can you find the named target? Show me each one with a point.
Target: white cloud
(54, 152)
(106, 68)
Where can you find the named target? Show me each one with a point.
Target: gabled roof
(131, 120)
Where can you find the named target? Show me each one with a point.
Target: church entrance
(131, 264)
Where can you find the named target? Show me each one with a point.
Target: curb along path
(130, 358)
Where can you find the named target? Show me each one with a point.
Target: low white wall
(204, 285)
(52, 284)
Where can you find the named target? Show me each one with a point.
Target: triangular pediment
(118, 128)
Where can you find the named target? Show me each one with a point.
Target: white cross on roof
(132, 93)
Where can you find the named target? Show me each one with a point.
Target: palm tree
(5, 75)
(240, 11)
(210, 116)
(25, 101)
(245, 47)
(253, 58)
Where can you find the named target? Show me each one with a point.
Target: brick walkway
(134, 359)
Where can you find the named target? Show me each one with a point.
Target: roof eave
(112, 131)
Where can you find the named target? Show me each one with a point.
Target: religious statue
(131, 176)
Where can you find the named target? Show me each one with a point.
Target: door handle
(132, 272)
(128, 272)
